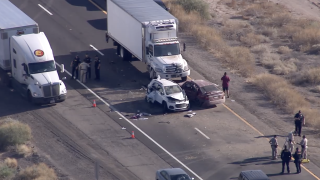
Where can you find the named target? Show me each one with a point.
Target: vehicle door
(191, 90)
(159, 93)
(164, 175)
(150, 54)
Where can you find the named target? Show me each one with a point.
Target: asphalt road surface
(217, 143)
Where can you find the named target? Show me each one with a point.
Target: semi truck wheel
(152, 74)
(184, 78)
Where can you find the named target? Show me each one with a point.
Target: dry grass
(211, 39)
(13, 133)
(198, 6)
(312, 76)
(277, 66)
(284, 50)
(260, 49)
(39, 172)
(252, 39)
(270, 32)
(281, 93)
(317, 89)
(11, 163)
(235, 30)
(23, 150)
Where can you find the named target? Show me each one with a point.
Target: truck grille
(174, 68)
(51, 90)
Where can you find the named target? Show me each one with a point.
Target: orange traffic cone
(132, 135)
(94, 103)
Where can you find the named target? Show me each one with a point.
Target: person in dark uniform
(297, 160)
(299, 121)
(88, 60)
(97, 67)
(285, 157)
(74, 65)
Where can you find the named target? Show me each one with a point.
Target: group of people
(286, 153)
(84, 68)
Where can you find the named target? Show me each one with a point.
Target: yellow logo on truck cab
(38, 53)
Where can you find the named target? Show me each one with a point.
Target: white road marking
(45, 9)
(97, 50)
(116, 111)
(202, 133)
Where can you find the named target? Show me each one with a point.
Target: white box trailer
(145, 30)
(12, 22)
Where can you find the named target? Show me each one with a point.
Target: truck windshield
(172, 89)
(41, 67)
(166, 50)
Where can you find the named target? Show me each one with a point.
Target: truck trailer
(143, 29)
(27, 57)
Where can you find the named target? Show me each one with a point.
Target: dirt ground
(245, 93)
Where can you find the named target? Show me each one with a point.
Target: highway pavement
(217, 143)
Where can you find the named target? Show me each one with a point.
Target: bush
(235, 30)
(270, 32)
(198, 6)
(312, 76)
(11, 163)
(39, 172)
(280, 19)
(252, 39)
(14, 132)
(260, 49)
(278, 66)
(284, 50)
(6, 172)
(23, 150)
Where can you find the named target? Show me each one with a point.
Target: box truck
(28, 58)
(143, 29)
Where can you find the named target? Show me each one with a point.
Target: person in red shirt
(225, 83)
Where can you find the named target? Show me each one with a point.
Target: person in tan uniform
(304, 146)
(274, 145)
(83, 68)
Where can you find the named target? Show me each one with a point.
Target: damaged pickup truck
(168, 94)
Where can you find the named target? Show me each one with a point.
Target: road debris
(140, 115)
(189, 115)
(123, 128)
(120, 118)
(233, 100)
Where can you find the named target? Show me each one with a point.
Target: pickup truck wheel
(184, 78)
(164, 107)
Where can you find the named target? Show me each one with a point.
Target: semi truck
(143, 29)
(26, 56)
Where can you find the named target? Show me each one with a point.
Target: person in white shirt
(274, 145)
(304, 146)
(290, 145)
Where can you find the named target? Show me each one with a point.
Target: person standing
(290, 145)
(88, 60)
(304, 146)
(74, 65)
(299, 121)
(297, 160)
(274, 145)
(225, 83)
(285, 157)
(83, 67)
(97, 67)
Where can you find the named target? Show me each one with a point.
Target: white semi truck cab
(163, 51)
(33, 69)
(143, 29)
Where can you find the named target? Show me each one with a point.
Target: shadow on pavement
(100, 24)
(252, 160)
(89, 6)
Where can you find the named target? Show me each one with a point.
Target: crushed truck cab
(168, 94)
(34, 70)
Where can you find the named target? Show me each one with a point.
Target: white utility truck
(143, 29)
(28, 58)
